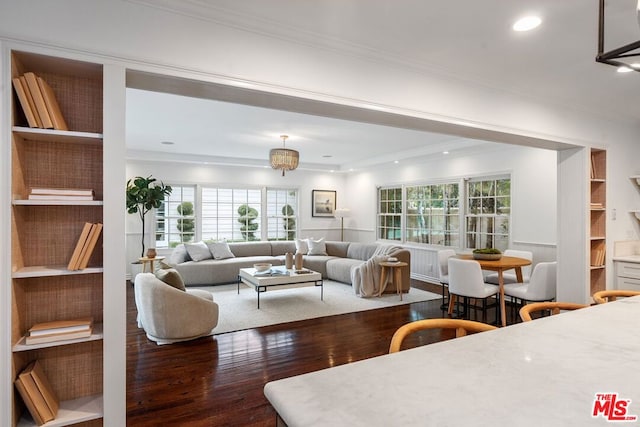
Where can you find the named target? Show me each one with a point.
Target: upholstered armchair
(170, 315)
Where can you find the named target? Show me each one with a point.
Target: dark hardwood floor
(218, 381)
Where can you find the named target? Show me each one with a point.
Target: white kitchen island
(547, 372)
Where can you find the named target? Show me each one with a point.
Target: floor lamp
(342, 213)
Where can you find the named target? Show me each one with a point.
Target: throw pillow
(220, 250)
(171, 277)
(317, 247)
(179, 255)
(301, 246)
(198, 251)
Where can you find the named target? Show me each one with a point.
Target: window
(175, 220)
(488, 213)
(432, 214)
(231, 214)
(435, 213)
(282, 217)
(390, 213)
(194, 213)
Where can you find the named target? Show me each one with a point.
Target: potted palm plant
(144, 194)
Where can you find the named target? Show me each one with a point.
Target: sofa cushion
(220, 250)
(339, 269)
(302, 246)
(171, 277)
(218, 271)
(198, 251)
(281, 247)
(241, 249)
(179, 255)
(317, 263)
(337, 248)
(362, 251)
(317, 247)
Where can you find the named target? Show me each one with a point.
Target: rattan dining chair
(602, 297)
(461, 326)
(553, 307)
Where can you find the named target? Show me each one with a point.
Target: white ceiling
(468, 40)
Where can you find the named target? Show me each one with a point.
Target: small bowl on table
(262, 266)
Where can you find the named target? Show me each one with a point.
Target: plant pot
(487, 257)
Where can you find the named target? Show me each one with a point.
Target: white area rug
(239, 312)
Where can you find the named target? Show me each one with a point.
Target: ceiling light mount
(617, 57)
(284, 158)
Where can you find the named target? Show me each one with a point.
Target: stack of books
(597, 257)
(85, 246)
(59, 330)
(38, 101)
(37, 393)
(77, 194)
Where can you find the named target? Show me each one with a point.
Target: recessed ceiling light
(445, 152)
(527, 23)
(167, 143)
(326, 156)
(624, 69)
(396, 161)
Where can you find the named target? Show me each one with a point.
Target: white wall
(533, 187)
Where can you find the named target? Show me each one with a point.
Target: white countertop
(541, 373)
(628, 258)
(626, 250)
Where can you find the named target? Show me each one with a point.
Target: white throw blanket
(365, 278)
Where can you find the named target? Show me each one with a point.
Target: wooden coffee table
(289, 279)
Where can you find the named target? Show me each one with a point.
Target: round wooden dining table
(503, 264)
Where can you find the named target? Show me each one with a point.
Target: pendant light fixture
(284, 158)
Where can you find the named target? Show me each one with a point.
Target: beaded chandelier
(284, 158)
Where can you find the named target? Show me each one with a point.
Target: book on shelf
(29, 403)
(84, 246)
(75, 256)
(52, 105)
(96, 229)
(38, 99)
(30, 100)
(37, 393)
(59, 197)
(62, 191)
(593, 167)
(27, 108)
(57, 336)
(61, 326)
(597, 257)
(39, 102)
(59, 330)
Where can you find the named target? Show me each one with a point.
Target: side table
(391, 270)
(146, 261)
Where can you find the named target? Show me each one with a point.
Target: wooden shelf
(20, 202)
(71, 412)
(44, 234)
(598, 220)
(51, 135)
(96, 335)
(53, 270)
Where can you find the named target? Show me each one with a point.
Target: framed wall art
(323, 203)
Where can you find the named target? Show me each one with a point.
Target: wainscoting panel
(424, 263)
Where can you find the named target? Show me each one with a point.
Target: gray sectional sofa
(336, 265)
